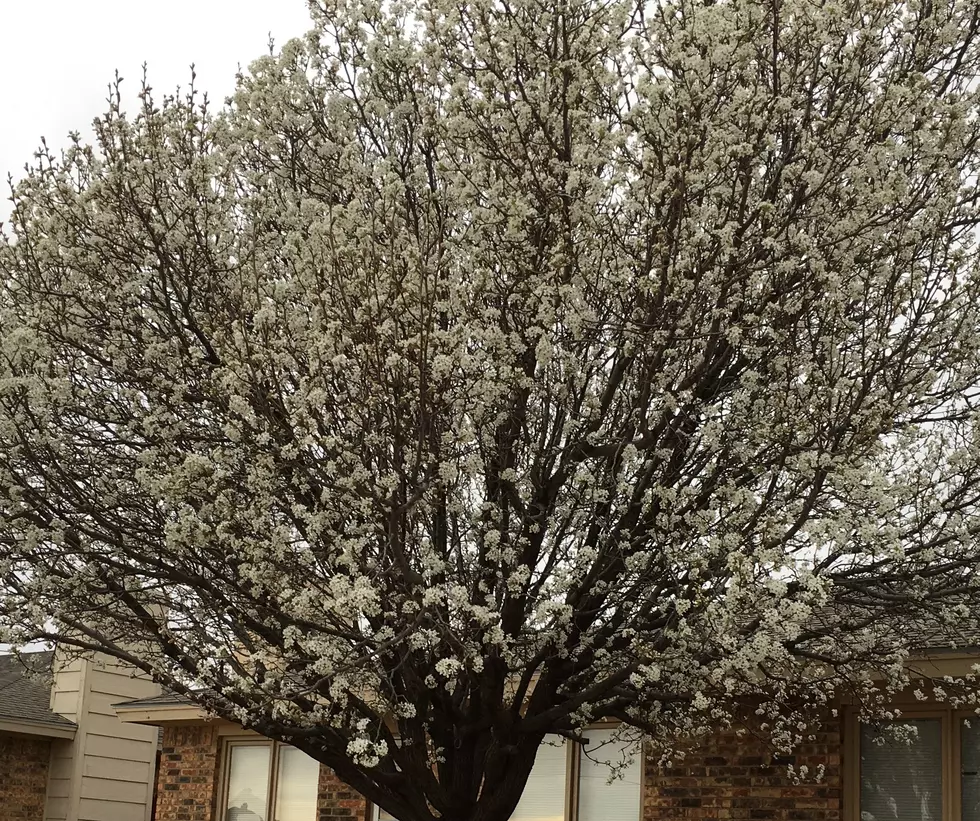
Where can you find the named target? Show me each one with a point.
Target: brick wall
(725, 778)
(337, 801)
(732, 778)
(188, 774)
(23, 777)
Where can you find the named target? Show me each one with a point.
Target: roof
(925, 634)
(164, 699)
(25, 690)
(166, 708)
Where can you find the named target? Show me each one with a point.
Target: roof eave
(159, 715)
(938, 663)
(36, 728)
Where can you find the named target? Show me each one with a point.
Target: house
(212, 770)
(64, 755)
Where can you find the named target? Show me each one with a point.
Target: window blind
(296, 786)
(544, 795)
(902, 780)
(599, 800)
(970, 768)
(248, 783)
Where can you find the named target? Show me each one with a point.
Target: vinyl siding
(106, 772)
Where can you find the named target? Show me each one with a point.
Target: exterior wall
(23, 777)
(189, 778)
(66, 699)
(59, 779)
(337, 801)
(726, 778)
(106, 772)
(730, 777)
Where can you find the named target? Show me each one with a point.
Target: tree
(480, 370)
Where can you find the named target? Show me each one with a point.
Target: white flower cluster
(366, 753)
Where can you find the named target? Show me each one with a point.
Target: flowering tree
(481, 370)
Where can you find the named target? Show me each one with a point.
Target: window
(902, 771)
(544, 794)
(269, 782)
(970, 768)
(598, 798)
(551, 795)
(923, 767)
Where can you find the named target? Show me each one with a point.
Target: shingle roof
(155, 701)
(25, 689)
(925, 633)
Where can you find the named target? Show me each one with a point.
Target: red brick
(23, 777)
(188, 776)
(730, 777)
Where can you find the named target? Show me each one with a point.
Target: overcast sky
(57, 58)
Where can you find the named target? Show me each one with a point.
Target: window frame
(573, 778)
(573, 762)
(228, 743)
(951, 721)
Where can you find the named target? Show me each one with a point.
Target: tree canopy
(480, 370)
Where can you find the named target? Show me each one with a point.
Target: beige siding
(60, 763)
(112, 727)
(58, 788)
(59, 780)
(101, 704)
(94, 810)
(65, 702)
(128, 792)
(100, 745)
(111, 679)
(117, 769)
(56, 807)
(106, 773)
(66, 688)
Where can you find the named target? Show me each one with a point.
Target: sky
(58, 57)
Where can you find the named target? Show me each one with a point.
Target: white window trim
(229, 742)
